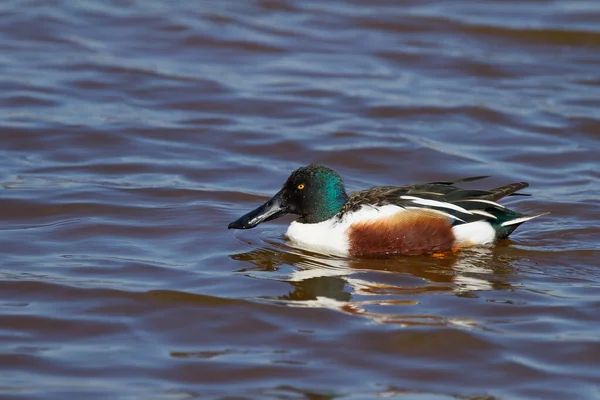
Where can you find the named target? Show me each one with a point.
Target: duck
(417, 219)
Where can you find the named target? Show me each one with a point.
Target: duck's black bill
(272, 209)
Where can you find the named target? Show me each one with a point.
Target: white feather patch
(473, 233)
(325, 237)
(519, 220)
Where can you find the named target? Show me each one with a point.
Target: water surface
(133, 132)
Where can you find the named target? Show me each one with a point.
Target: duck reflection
(317, 279)
(312, 276)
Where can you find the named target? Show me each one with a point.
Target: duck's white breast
(325, 237)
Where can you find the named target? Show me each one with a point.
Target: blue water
(132, 133)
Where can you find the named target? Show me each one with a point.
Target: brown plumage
(411, 232)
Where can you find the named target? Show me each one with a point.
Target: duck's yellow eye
(301, 186)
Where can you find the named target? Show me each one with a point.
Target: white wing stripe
(484, 213)
(435, 203)
(486, 201)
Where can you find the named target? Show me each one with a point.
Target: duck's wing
(463, 205)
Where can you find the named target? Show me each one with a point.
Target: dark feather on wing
(442, 191)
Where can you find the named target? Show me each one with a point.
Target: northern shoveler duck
(387, 220)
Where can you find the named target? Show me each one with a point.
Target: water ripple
(134, 132)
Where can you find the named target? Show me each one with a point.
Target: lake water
(132, 133)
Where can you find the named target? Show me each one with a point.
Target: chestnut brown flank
(410, 232)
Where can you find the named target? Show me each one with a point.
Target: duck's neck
(331, 204)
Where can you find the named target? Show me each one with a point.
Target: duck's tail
(508, 222)
(506, 190)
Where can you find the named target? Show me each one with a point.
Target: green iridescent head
(315, 193)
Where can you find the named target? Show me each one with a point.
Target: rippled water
(133, 132)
